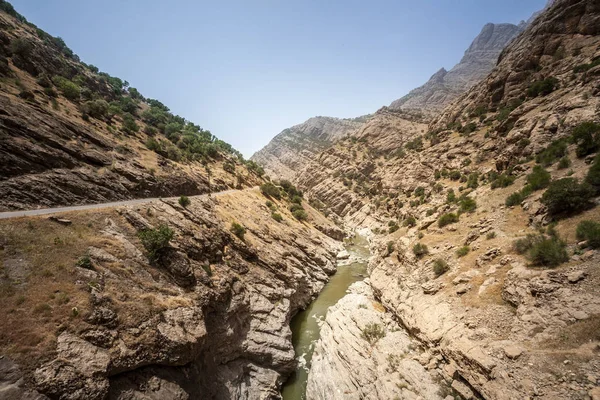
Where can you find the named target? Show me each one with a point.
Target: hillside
(295, 147)
(479, 221)
(478, 60)
(72, 134)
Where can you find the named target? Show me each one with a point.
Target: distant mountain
(294, 147)
(479, 59)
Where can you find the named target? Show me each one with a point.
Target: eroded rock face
(209, 318)
(445, 86)
(295, 147)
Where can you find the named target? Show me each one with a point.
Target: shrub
(96, 108)
(585, 67)
(419, 191)
(467, 204)
(543, 87)
(156, 241)
(548, 252)
(270, 190)
(300, 215)
(455, 175)
(518, 197)
(415, 144)
(440, 267)
(566, 196)
(129, 124)
(587, 137)
(420, 250)
(473, 180)
(409, 221)
(490, 235)
(463, 251)
(276, 216)
(593, 175)
(238, 230)
(523, 245)
(153, 144)
(84, 262)
(447, 219)
(229, 167)
(393, 227)
(372, 333)
(70, 90)
(270, 204)
(539, 178)
(184, 201)
(564, 163)
(590, 232)
(503, 180)
(296, 199)
(450, 197)
(553, 152)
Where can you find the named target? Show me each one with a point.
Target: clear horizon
(248, 71)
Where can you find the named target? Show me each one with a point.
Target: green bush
(372, 333)
(440, 267)
(409, 221)
(229, 167)
(590, 232)
(473, 180)
(156, 241)
(593, 176)
(539, 178)
(447, 219)
(129, 124)
(463, 251)
(419, 191)
(548, 252)
(523, 245)
(543, 87)
(553, 152)
(587, 137)
(567, 196)
(564, 163)
(300, 215)
(466, 204)
(415, 144)
(296, 199)
(390, 248)
(70, 90)
(96, 108)
(503, 180)
(238, 230)
(420, 250)
(451, 196)
(184, 201)
(393, 227)
(270, 190)
(84, 262)
(455, 175)
(153, 144)
(490, 235)
(276, 216)
(586, 67)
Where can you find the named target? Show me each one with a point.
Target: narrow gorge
(444, 247)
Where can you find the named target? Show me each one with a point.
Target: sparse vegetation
(300, 214)
(392, 226)
(587, 137)
(466, 204)
(553, 152)
(276, 216)
(229, 167)
(501, 180)
(270, 190)
(541, 250)
(84, 262)
(539, 178)
(593, 176)
(409, 221)
(372, 333)
(490, 235)
(517, 197)
(543, 87)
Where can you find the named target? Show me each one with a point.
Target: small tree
(184, 201)
(155, 241)
(566, 196)
(238, 230)
(270, 190)
(300, 214)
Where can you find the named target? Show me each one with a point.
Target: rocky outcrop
(363, 353)
(295, 147)
(207, 318)
(445, 86)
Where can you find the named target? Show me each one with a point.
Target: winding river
(305, 325)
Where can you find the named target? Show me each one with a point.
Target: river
(305, 325)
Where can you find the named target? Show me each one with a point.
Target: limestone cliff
(95, 312)
(295, 147)
(456, 209)
(478, 60)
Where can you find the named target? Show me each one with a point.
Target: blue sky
(248, 69)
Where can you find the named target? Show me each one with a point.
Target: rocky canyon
(446, 246)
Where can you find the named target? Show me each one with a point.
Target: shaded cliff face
(491, 318)
(478, 60)
(73, 135)
(295, 147)
(208, 318)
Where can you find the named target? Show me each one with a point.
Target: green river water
(305, 327)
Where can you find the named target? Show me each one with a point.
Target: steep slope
(295, 147)
(71, 134)
(499, 299)
(478, 60)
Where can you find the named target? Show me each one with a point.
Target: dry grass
(577, 334)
